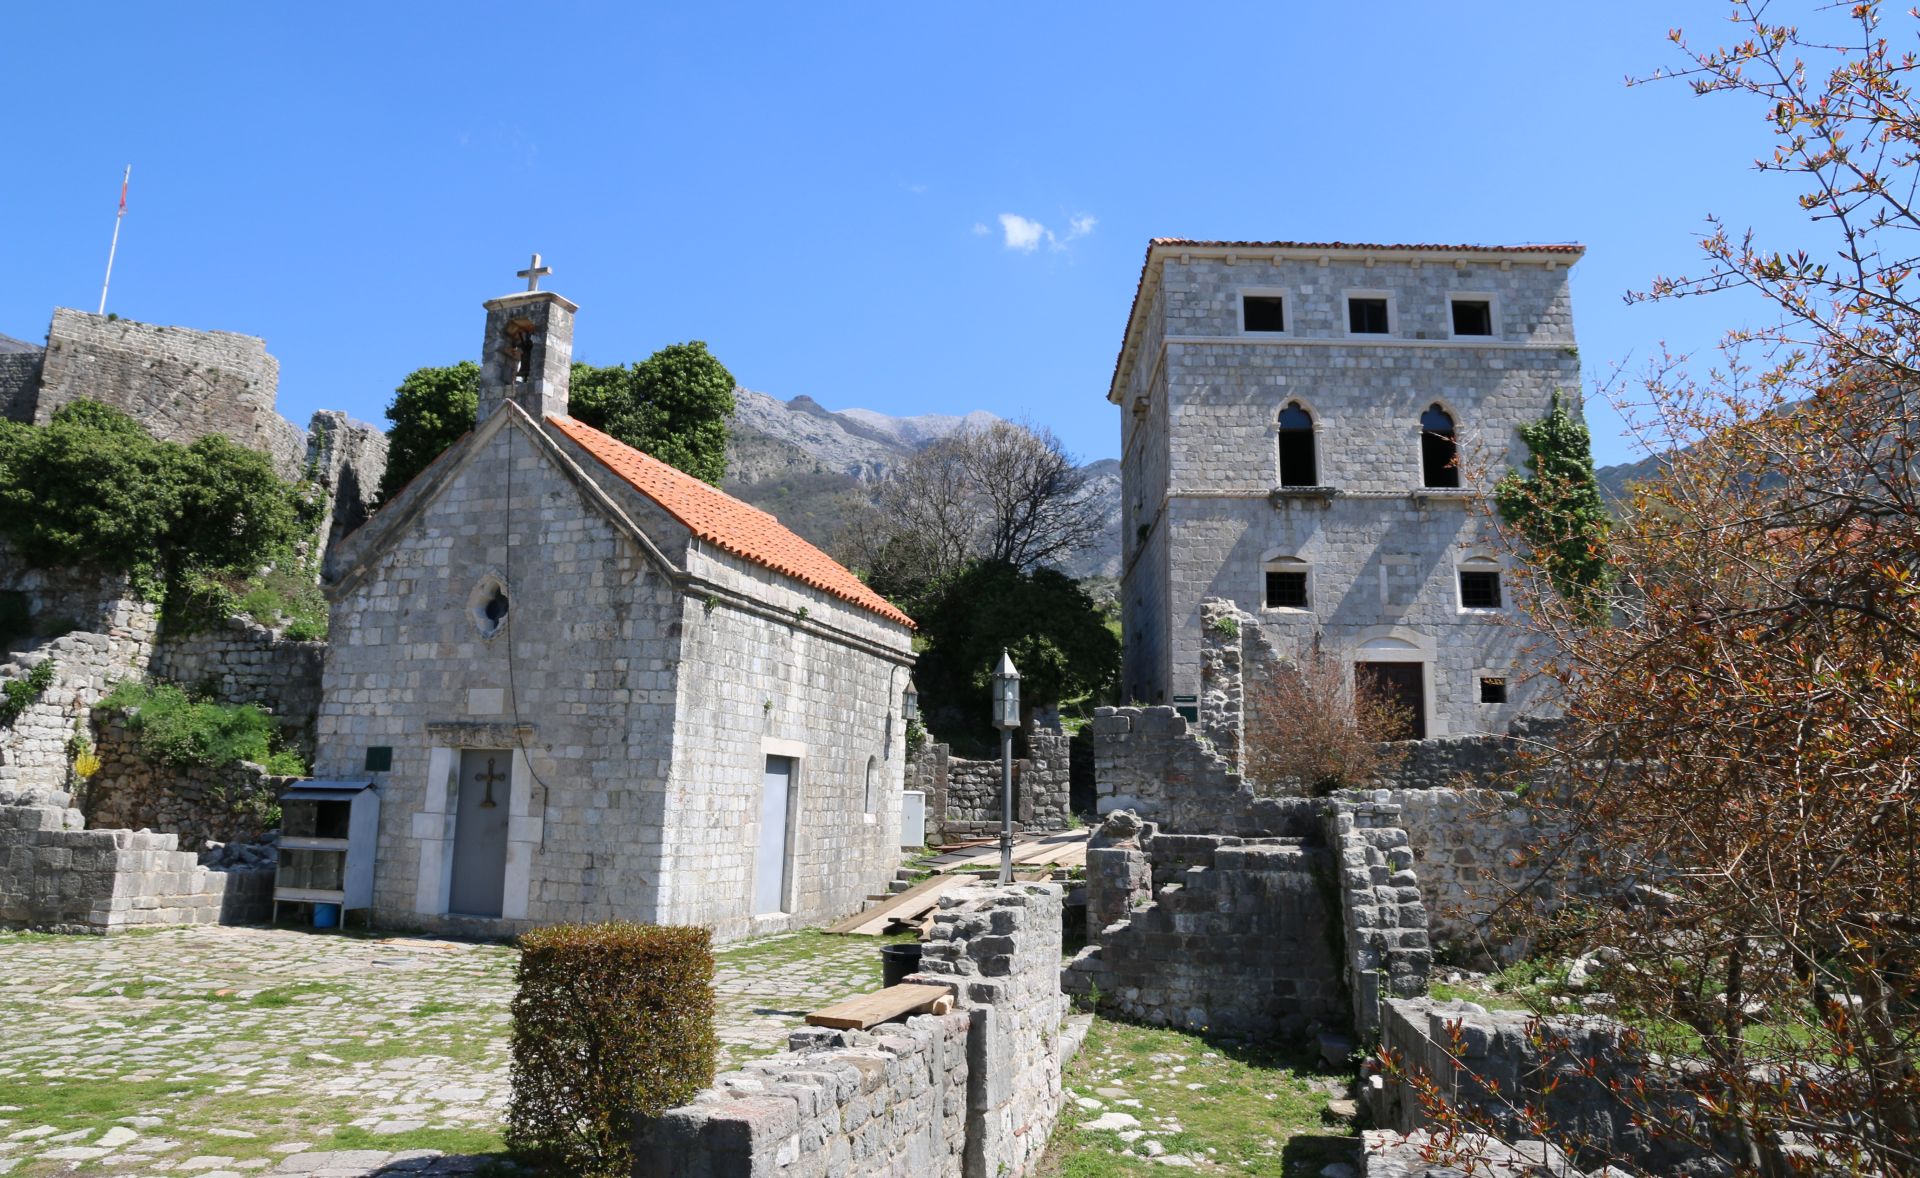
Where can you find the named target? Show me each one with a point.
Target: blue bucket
(326, 916)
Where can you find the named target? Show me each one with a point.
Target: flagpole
(115, 247)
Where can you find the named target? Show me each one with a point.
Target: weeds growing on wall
(19, 694)
(177, 729)
(610, 1021)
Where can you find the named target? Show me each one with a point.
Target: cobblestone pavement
(216, 1052)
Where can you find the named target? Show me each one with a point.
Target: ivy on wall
(1556, 508)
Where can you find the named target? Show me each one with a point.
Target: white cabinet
(328, 831)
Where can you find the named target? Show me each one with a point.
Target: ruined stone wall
(236, 803)
(346, 460)
(180, 384)
(57, 877)
(1508, 1060)
(19, 384)
(238, 661)
(963, 796)
(1384, 921)
(972, 1093)
(1148, 761)
(1243, 944)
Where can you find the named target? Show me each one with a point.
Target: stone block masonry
(237, 803)
(57, 877)
(972, 1093)
(963, 796)
(1243, 945)
(237, 661)
(1383, 918)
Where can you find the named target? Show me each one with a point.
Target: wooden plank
(870, 1010)
(905, 904)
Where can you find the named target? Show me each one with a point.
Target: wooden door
(770, 862)
(1400, 684)
(480, 832)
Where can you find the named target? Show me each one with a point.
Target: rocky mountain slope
(810, 465)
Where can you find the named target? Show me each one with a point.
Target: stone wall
(19, 383)
(1148, 761)
(180, 384)
(346, 460)
(56, 876)
(1243, 944)
(236, 803)
(963, 796)
(34, 748)
(1384, 929)
(239, 661)
(1566, 1068)
(972, 1093)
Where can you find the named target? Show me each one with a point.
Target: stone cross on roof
(533, 273)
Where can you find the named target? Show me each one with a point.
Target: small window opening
(495, 610)
(1263, 312)
(1472, 317)
(1367, 316)
(488, 606)
(1298, 467)
(1439, 452)
(1479, 589)
(1493, 691)
(1286, 589)
(873, 785)
(379, 758)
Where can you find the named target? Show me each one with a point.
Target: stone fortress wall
(972, 1093)
(963, 796)
(239, 661)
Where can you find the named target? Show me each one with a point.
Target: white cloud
(1022, 234)
(980, 230)
(1026, 235)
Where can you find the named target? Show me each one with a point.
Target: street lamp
(910, 702)
(1006, 717)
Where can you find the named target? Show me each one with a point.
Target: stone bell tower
(528, 353)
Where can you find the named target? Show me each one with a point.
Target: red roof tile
(723, 521)
(1159, 242)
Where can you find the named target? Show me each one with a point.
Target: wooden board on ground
(907, 906)
(870, 1010)
(1030, 851)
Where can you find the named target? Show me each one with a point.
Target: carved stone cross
(489, 777)
(533, 273)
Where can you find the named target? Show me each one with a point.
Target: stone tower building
(590, 686)
(1312, 431)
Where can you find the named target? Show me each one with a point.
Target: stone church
(588, 686)
(1311, 431)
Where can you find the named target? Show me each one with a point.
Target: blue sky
(819, 191)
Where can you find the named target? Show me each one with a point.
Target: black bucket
(897, 961)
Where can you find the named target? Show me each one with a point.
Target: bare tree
(1007, 493)
(1312, 726)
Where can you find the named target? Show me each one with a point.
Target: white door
(770, 864)
(480, 832)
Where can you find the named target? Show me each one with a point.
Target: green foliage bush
(176, 729)
(674, 405)
(19, 694)
(92, 489)
(609, 1020)
(1558, 510)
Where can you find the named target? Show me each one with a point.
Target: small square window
(1479, 589)
(1493, 691)
(379, 758)
(1263, 313)
(1367, 316)
(1472, 317)
(1286, 589)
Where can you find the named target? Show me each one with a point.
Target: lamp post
(910, 701)
(1006, 717)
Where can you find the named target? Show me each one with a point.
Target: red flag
(123, 193)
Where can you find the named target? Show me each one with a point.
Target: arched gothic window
(1439, 449)
(1298, 465)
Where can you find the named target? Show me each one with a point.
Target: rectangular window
(1472, 317)
(1367, 316)
(379, 758)
(1479, 589)
(1286, 589)
(1297, 465)
(1493, 691)
(1263, 313)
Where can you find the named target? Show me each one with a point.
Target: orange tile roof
(1170, 242)
(723, 521)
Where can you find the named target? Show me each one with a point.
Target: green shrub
(176, 729)
(610, 1020)
(19, 694)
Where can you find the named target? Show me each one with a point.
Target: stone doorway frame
(432, 825)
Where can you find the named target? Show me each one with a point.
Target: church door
(1401, 685)
(480, 832)
(770, 864)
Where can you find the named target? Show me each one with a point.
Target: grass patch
(1245, 1109)
(91, 1104)
(279, 997)
(459, 1142)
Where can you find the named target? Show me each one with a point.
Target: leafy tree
(92, 489)
(674, 405)
(1557, 509)
(1057, 635)
(1743, 740)
(430, 410)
